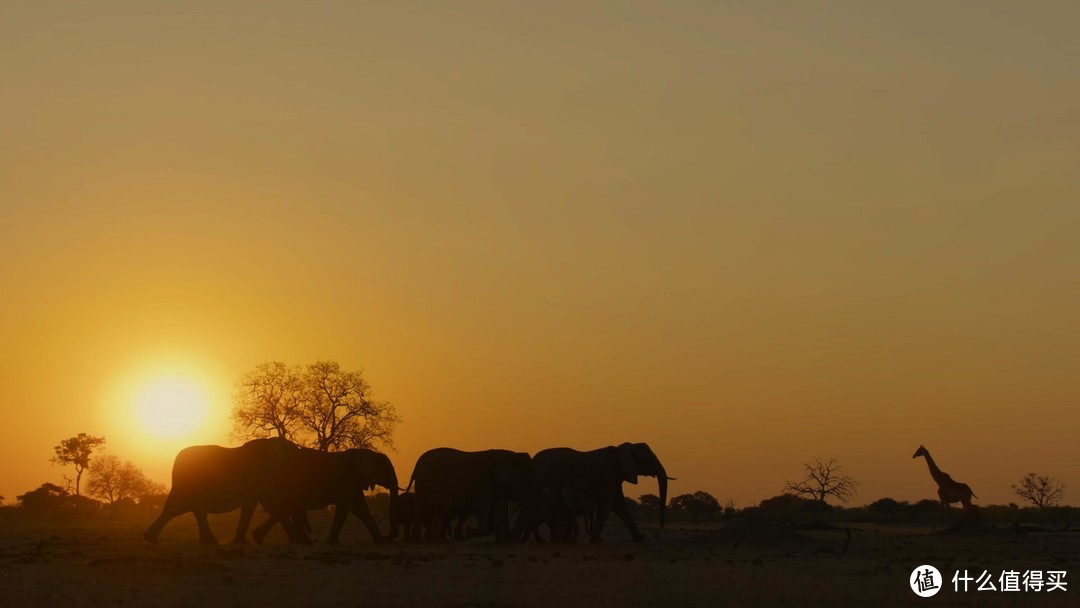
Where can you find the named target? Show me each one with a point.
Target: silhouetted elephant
(215, 479)
(402, 515)
(599, 475)
(451, 484)
(559, 508)
(316, 480)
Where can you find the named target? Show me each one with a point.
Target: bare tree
(320, 405)
(1040, 490)
(823, 479)
(76, 451)
(267, 401)
(111, 479)
(730, 506)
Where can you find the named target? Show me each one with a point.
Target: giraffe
(949, 491)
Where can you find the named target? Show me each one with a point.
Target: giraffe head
(920, 452)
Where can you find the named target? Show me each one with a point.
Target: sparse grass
(100, 562)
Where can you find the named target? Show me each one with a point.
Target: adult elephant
(315, 480)
(452, 484)
(599, 475)
(216, 479)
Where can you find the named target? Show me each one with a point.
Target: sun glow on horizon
(171, 407)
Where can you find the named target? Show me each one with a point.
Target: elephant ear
(368, 469)
(627, 462)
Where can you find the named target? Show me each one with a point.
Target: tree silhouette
(823, 479)
(267, 401)
(45, 497)
(649, 504)
(1040, 490)
(111, 480)
(319, 405)
(697, 504)
(76, 451)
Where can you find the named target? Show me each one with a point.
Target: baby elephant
(559, 508)
(402, 513)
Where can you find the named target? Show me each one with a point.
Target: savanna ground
(101, 562)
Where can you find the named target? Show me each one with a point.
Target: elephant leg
(168, 511)
(589, 517)
(424, 518)
(416, 531)
(360, 509)
(602, 509)
(154, 530)
(436, 528)
(572, 530)
(500, 519)
(341, 512)
(242, 525)
(395, 523)
(623, 511)
(484, 507)
(206, 537)
(521, 530)
(260, 531)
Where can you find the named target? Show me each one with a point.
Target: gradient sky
(747, 233)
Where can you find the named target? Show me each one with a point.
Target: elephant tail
(409, 487)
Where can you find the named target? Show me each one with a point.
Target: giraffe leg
(940, 516)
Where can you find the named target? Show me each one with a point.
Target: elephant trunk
(661, 480)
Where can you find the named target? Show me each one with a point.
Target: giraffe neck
(935, 472)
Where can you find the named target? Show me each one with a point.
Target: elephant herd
(448, 487)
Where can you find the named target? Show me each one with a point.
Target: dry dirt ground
(109, 564)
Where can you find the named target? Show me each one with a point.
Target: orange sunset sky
(748, 233)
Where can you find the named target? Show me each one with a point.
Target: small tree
(153, 497)
(823, 479)
(320, 405)
(1040, 490)
(697, 504)
(45, 497)
(731, 506)
(152, 490)
(650, 505)
(76, 451)
(112, 480)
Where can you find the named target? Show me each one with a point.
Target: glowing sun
(171, 407)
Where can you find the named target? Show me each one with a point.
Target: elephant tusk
(672, 479)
